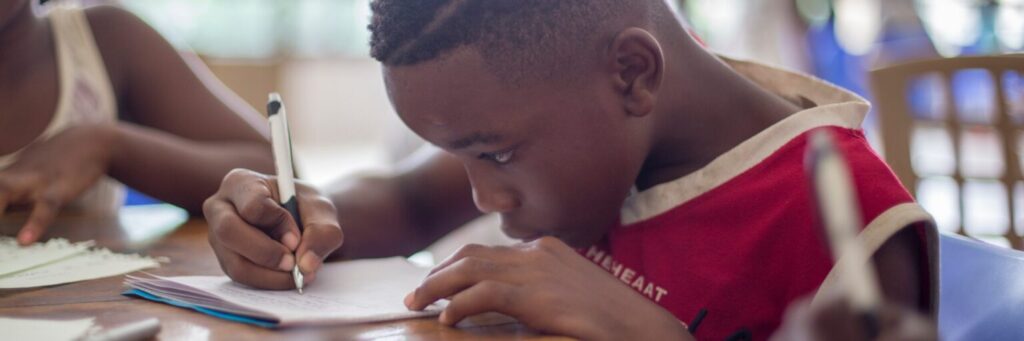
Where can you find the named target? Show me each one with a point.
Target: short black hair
(517, 38)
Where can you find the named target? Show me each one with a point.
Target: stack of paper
(346, 292)
(58, 261)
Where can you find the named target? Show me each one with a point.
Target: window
(258, 29)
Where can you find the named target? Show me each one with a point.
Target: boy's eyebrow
(475, 138)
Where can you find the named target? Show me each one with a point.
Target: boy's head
(548, 103)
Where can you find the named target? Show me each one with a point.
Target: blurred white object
(858, 24)
(951, 24)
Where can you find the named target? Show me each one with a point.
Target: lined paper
(344, 292)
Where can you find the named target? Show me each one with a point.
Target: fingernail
(443, 318)
(309, 262)
(408, 300)
(287, 263)
(25, 237)
(290, 240)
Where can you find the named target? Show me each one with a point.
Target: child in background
(836, 320)
(94, 98)
(649, 179)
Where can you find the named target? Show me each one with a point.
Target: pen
(282, 145)
(141, 330)
(840, 213)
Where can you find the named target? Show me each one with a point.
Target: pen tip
(297, 276)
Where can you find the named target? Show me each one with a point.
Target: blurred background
(315, 53)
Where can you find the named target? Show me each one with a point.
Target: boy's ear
(638, 66)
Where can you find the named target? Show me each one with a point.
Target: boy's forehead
(456, 98)
(439, 83)
(456, 88)
(458, 68)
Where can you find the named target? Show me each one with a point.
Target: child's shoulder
(121, 38)
(116, 28)
(874, 179)
(105, 21)
(878, 188)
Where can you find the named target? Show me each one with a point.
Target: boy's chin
(573, 238)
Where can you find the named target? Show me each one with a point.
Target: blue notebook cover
(207, 311)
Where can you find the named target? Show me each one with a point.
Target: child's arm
(179, 124)
(903, 317)
(899, 263)
(835, 320)
(404, 213)
(381, 216)
(181, 131)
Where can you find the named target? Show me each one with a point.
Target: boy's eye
(501, 158)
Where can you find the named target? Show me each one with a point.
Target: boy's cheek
(575, 230)
(574, 208)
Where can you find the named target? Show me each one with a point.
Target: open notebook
(345, 292)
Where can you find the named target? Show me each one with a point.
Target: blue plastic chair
(981, 295)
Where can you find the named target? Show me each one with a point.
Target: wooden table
(189, 253)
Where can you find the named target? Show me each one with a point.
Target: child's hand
(547, 286)
(835, 320)
(50, 174)
(254, 237)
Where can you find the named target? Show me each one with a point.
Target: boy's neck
(706, 109)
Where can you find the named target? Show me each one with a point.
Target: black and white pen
(282, 144)
(839, 210)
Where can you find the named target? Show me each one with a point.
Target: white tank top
(85, 96)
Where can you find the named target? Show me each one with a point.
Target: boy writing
(597, 129)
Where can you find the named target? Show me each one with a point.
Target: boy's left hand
(547, 286)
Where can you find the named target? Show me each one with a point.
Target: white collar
(835, 107)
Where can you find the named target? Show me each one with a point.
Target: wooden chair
(890, 88)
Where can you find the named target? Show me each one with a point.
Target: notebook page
(168, 289)
(78, 267)
(14, 258)
(344, 292)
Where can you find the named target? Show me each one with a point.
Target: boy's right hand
(254, 238)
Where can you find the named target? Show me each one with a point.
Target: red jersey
(740, 237)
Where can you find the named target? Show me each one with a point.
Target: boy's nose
(494, 200)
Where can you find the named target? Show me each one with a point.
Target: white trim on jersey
(834, 107)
